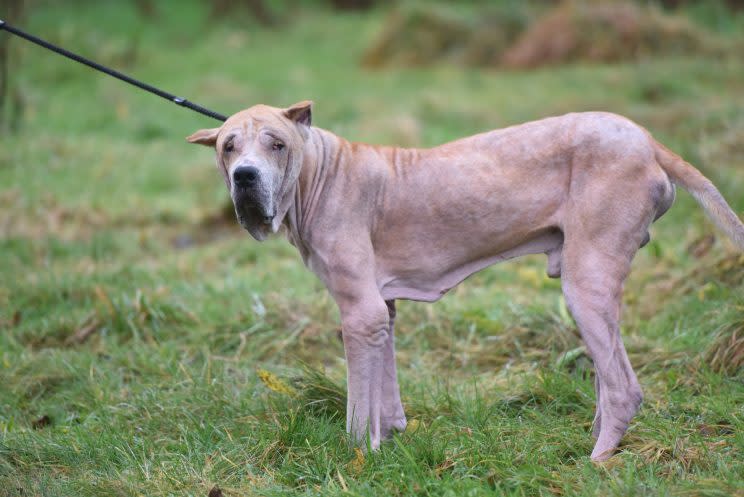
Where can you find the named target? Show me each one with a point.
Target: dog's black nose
(245, 176)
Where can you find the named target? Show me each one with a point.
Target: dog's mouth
(256, 214)
(255, 217)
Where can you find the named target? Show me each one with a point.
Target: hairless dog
(377, 224)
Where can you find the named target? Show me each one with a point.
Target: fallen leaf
(413, 426)
(274, 383)
(357, 464)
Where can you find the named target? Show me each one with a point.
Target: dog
(378, 223)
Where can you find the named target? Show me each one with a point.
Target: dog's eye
(229, 146)
(277, 145)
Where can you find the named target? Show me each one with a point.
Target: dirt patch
(520, 38)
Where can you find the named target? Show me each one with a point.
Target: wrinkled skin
(377, 224)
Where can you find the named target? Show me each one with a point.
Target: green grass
(109, 220)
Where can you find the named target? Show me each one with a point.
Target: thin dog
(377, 224)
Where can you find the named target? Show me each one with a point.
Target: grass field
(136, 317)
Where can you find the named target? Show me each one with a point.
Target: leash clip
(2, 23)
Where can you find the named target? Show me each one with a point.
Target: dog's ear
(205, 137)
(301, 112)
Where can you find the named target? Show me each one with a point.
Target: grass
(136, 317)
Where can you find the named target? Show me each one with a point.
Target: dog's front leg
(365, 324)
(393, 417)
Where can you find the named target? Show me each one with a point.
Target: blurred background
(123, 270)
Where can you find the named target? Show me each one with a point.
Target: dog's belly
(459, 215)
(436, 275)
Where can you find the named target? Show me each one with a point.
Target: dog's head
(259, 152)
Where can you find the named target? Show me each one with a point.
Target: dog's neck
(324, 153)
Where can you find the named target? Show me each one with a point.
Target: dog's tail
(703, 191)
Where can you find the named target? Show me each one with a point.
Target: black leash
(111, 72)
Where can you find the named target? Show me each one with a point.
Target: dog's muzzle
(253, 201)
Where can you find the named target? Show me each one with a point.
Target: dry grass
(420, 35)
(606, 32)
(518, 38)
(725, 354)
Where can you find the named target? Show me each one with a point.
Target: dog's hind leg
(592, 281)
(392, 416)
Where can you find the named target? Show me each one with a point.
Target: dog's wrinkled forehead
(291, 123)
(250, 122)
